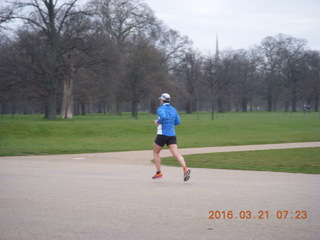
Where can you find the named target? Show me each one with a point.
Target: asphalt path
(112, 196)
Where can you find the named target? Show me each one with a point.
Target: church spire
(217, 49)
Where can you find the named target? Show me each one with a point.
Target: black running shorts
(161, 140)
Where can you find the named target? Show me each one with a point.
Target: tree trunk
(244, 104)
(269, 102)
(135, 109)
(212, 109)
(153, 107)
(294, 99)
(220, 105)
(316, 104)
(83, 108)
(67, 101)
(189, 106)
(51, 106)
(286, 106)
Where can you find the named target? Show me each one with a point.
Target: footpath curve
(144, 156)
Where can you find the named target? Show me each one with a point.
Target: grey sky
(240, 23)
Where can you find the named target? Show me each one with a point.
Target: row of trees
(115, 55)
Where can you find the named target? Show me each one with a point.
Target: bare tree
(212, 71)
(245, 79)
(49, 18)
(310, 84)
(270, 70)
(9, 82)
(123, 18)
(291, 52)
(282, 57)
(189, 73)
(6, 15)
(125, 21)
(225, 79)
(143, 63)
(172, 45)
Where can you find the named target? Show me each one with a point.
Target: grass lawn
(27, 135)
(304, 160)
(31, 134)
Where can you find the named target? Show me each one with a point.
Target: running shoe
(157, 176)
(186, 174)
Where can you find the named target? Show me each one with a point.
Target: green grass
(26, 135)
(31, 134)
(304, 160)
(251, 128)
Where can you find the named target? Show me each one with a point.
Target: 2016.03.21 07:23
(281, 214)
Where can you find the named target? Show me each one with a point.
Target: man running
(168, 117)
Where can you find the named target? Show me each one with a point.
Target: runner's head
(165, 97)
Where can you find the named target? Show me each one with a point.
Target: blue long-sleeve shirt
(168, 117)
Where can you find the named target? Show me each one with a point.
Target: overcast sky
(240, 23)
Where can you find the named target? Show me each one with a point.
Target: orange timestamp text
(247, 214)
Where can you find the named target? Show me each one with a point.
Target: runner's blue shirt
(168, 117)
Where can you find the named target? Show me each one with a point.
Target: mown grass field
(300, 160)
(31, 134)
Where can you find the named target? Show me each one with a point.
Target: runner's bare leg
(174, 151)
(156, 156)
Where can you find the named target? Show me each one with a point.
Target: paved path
(112, 196)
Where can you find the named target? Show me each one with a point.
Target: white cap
(165, 97)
